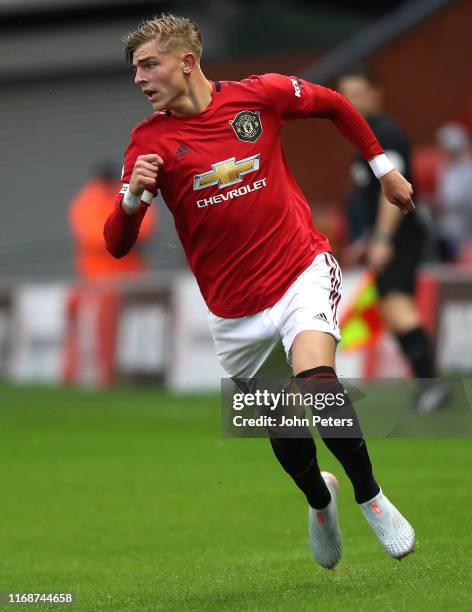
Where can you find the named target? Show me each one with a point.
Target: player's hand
(379, 253)
(398, 191)
(144, 172)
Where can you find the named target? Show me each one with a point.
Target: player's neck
(198, 96)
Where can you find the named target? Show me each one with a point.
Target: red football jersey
(244, 223)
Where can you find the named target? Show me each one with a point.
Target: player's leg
(392, 529)
(250, 347)
(308, 321)
(313, 357)
(323, 522)
(296, 455)
(288, 314)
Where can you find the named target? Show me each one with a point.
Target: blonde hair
(173, 32)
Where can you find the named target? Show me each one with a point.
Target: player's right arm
(143, 176)
(139, 186)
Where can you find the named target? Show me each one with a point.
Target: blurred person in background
(390, 243)
(453, 198)
(267, 275)
(87, 214)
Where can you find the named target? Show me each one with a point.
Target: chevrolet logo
(226, 173)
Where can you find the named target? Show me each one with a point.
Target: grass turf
(130, 499)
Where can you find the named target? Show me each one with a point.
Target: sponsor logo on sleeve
(297, 88)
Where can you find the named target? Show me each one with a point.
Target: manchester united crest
(247, 125)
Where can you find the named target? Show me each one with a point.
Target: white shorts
(252, 345)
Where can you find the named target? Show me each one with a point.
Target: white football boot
(393, 531)
(323, 528)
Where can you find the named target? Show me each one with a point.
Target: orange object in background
(87, 215)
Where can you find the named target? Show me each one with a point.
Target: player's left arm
(296, 98)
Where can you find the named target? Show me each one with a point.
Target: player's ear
(188, 62)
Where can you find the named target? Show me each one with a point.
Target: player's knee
(312, 349)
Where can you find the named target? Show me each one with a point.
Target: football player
(267, 275)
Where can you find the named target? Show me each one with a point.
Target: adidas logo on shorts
(321, 317)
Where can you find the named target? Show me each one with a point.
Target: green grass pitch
(130, 499)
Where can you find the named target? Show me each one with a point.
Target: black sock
(297, 456)
(417, 348)
(351, 452)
